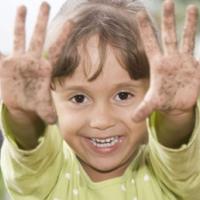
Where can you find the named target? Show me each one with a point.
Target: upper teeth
(105, 140)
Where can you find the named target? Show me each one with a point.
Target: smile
(105, 142)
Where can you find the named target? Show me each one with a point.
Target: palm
(177, 85)
(27, 83)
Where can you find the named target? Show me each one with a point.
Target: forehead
(90, 60)
(112, 75)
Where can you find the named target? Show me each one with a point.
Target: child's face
(95, 117)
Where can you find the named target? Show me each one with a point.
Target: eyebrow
(117, 85)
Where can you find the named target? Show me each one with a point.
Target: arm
(25, 81)
(177, 169)
(26, 173)
(173, 130)
(26, 158)
(174, 77)
(20, 86)
(174, 88)
(26, 128)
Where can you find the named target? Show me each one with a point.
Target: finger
(145, 108)
(148, 35)
(47, 113)
(45, 107)
(57, 47)
(169, 37)
(190, 28)
(19, 31)
(39, 34)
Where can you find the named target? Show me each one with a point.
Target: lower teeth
(103, 145)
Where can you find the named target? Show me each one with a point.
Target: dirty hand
(174, 72)
(25, 76)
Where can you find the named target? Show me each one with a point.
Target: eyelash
(78, 97)
(127, 96)
(81, 98)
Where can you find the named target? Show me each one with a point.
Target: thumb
(145, 108)
(47, 113)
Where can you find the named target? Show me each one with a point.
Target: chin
(100, 170)
(105, 168)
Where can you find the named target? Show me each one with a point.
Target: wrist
(176, 113)
(25, 127)
(175, 128)
(20, 115)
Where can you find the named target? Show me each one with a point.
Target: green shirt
(52, 171)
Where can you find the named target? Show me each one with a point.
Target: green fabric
(52, 172)
(2, 187)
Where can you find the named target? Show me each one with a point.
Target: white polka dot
(132, 181)
(123, 187)
(146, 178)
(78, 172)
(135, 198)
(75, 192)
(68, 176)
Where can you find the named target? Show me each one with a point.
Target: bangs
(114, 29)
(92, 70)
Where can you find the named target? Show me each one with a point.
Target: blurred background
(7, 16)
(181, 5)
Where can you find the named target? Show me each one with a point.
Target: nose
(102, 118)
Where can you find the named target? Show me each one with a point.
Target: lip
(104, 150)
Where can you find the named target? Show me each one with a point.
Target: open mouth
(105, 142)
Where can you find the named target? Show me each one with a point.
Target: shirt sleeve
(26, 173)
(177, 169)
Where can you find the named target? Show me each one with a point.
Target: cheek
(70, 122)
(138, 131)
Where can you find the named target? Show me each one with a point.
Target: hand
(174, 72)
(25, 75)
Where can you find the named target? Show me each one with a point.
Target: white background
(7, 18)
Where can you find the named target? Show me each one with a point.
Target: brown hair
(114, 22)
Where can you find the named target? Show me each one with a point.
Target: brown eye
(122, 96)
(78, 99)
